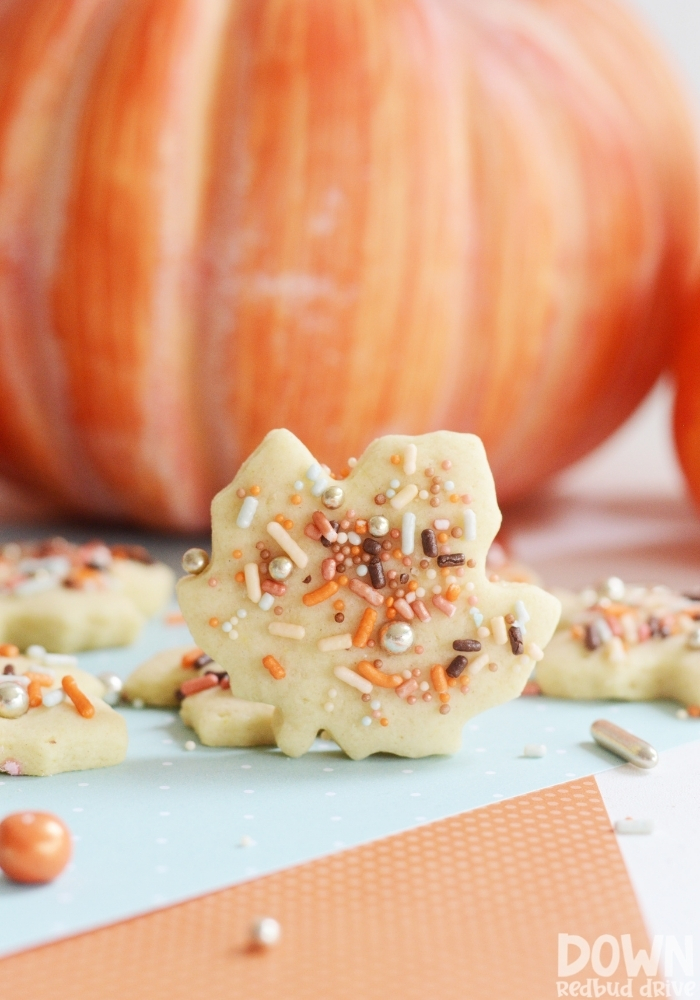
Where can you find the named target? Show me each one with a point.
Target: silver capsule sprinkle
(623, 744)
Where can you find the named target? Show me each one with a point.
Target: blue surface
(166, 824)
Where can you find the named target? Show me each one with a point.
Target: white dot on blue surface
(328, 769)
(330, 794)
(161, 869)
(407, 770)
(167, 741)
(167, 763)
(82, 784)
(78, 809)
(246, 766)
(164, 788)
(248, 816)
(489, 772)
(248, 791)
(561, 751)
(415, 795)
(335, 819)
(481, 749)
(497, 795)
(164, 814)
(161, 840)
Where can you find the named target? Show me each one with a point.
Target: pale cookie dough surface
(47, 741)
(157, 680)
(310, 696)
(220, 720)
(637, 647)
(69, 598)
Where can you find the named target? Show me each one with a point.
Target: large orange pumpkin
(342, 216)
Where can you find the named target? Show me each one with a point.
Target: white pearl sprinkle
(431, 574)
(233, 634)
(437, 590)
(332, 693)
(390, 493)
(376, 705)
(226, 627)
(352, 462)
(329, 706)
(449, 485)
(241, 612)
(190, 745)
(266, 931)
(298, 485)
(361, 570)
(395, 483)
(420, 592)
(424, 686)
(424, 494)
(366, 721)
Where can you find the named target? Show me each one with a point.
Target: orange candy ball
(35, 847)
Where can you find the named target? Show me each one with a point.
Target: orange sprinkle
(383, 722)
(43, 680)
(7, 649)
(451, 682)
(396, 460)
(321, 594)
(443, 536)
(355, 550)
(344, 472)
(391, 613)
(214, 622)
(577, 632)
(397, 553)
(439, 678)
(361, 526)
(197, 684)
(413, 585)
(343, 580)
(390, 602)
(445, 571)
(364, 629)
(83, 704)
(454, 498)
(694, 711)
(280, 518)
(236, 553)
(255, 491)
(175, 618)
(453, 592)
(339, 605)
(239, 577)
(34, 692)
(288, 525)
(374, 676)
(190, 656)
(275, 667)
(295, 499)
(444, 698)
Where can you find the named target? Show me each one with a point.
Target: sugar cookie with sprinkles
(625, 642)
(360, 605)
(53, 718)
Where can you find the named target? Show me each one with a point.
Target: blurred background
(348, 221)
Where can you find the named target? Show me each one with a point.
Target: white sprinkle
(332, 693)
(353, 679)
(431, 574)
(498, 630)
(375, 705)
(295, 553)
(615, 650)
(320, 486)
(233, 634)
(404, 496)
(441, 524)
(341, 538)
(138, 703)
(352, 462)
(361, 570)
(395, 483)
(190, 745)
(241, 613)
(469, 525)
(449, 485)
(226, 627)
(333, 642)
(52, 698)
(247, 512)
(329, 706)
(313, 472)
(478, 664)
(437, 589)
(682, 713)
(408, 533)
(420, 592)
(266, 602)
(366, 721)
(390, 493)
(534, 750)
(252, 581)
(521, 612)
(534, 651)
(266, 931)
(410, 597)
(354, 538)
(409, 459)
(634, 826)
(424, 494)
(246, 841)
(286, 630)
(35, 652)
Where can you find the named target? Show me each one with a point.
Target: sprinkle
(266, 602)
(439, 678)
(420, 611)
(457, 666)
(498, 630)
(376, 677)
(466, 645)
(328, 568)
(313, 472)
(226, 627)
(324, 526)
(534, 750)
(409, 459)
(516, 640)
(82, 703)
(320, 486)
(408, 531)
(354, 680)
(281, 536)
(404, 609)
(404, 496)
(444, 709)
(333, 642)
(274, 667)
(634, 826)
(376, 573)
(247, 512)
(255, 490)
(476, 615)
(451, 559)
(364, 629)
(470, 525)
(624, 744)
(52, 698)
(361, 570)
(453, 592)
(534, 652)
(197, 684)
(252, 581)
(441, 604)
(441, 524)
(366, 721)
(299, 485)
(478, 664)
(407, 688)
(321, 594)
(368, 593)
(352, 462)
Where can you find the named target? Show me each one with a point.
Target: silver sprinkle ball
(195, 561)
(378, 526)
(280, 568)
(113, 685)
(14, 700)
(333, 497)
(397, 638)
